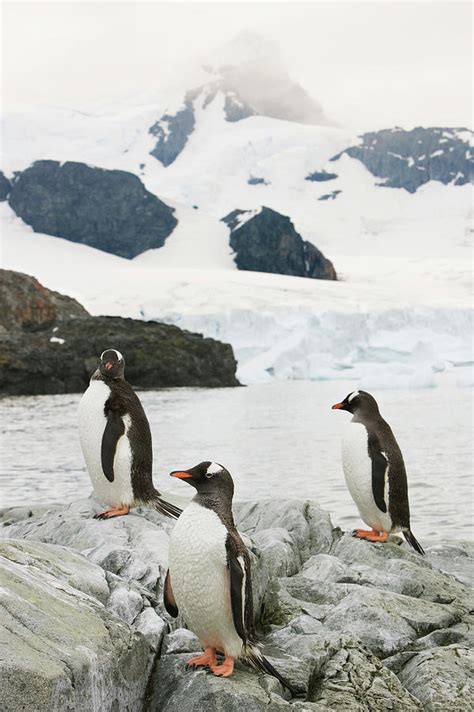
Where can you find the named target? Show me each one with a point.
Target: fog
(368, 64)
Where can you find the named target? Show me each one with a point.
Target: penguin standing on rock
(209, 579)
(374, 471)
(116, 442)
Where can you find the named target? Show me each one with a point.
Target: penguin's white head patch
(117, 353)
(112, 364)
(213, 469)
(353, 395)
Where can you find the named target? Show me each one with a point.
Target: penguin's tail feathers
(253, 655)
(166, 508)
(410, 537)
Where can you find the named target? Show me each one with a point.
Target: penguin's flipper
(114, 430)
(168, 597)
(238, 563)
(380, 467)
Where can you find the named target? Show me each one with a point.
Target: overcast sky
(367, 63)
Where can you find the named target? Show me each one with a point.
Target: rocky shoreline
(353, 625)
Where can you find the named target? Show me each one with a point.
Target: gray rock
(176, 688)
(358, 626)
(441, 678)
(268, 242)
(130, 547)
(352, 679)
(107, 209)
(61, 649)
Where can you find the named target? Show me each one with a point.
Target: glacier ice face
(393, 349)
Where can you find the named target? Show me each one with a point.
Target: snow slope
(401, 313)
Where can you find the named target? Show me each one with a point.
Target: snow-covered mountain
(390, 209)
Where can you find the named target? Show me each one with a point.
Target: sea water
(279, 440)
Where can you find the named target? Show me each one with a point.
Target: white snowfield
(401, 314)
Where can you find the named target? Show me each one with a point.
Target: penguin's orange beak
(181, 475)
(337, 406)
(109, 365)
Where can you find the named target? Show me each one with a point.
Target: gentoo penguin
(209, 579)
(116, 442)
(374, 471)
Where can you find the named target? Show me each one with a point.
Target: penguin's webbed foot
(208, 658)
(109, 513)
(224, 670)
(370, 535)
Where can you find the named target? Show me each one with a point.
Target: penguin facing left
(209, 577)
(116, 442)
(375, 471)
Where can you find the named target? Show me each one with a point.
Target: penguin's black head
(207, 478)
(358, 402)
(112, 364)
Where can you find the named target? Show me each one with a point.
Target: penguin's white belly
(357, 467)
(92, 422)
(200, 578)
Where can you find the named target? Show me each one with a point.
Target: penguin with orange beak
(116, 442)
(375, 471)
(209, 577)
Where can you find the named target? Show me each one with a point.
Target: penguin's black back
(124, 401)
(382, 439)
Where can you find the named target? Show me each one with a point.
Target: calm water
(279, 440)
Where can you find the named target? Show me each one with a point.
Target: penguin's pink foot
(208, 658)
(370, 536)
(109, 513)
(224, 670)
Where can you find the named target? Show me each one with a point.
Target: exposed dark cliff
(408, 159)
(50, 344)
(107, 209)
(268, 242)
(5, 186)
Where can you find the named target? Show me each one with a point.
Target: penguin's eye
(209, 475)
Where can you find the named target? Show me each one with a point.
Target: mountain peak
(252, 67)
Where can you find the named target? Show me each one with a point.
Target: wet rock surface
(352, 625)
(50, 344)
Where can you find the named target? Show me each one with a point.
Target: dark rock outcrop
(408, 159)
(321, 176)
(257, 181)
(266, 241)
(50, 344)
(172, 132)
(107, 209)
(5, 186)
(330, 196)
